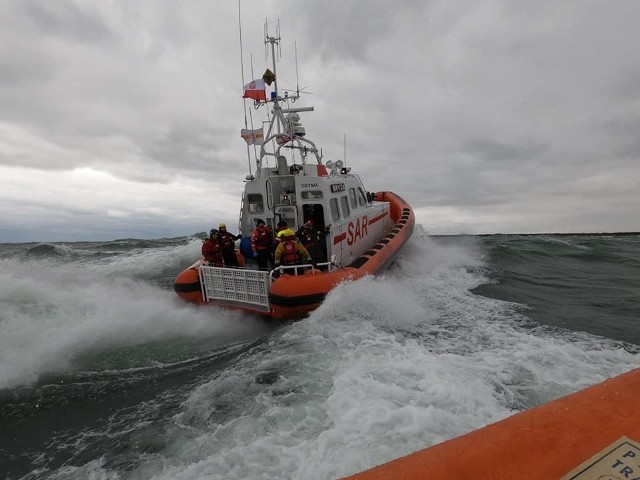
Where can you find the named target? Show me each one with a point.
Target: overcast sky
(122, 118)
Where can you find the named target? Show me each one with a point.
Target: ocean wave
(386, 364)
(56, 250)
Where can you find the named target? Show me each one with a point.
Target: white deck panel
(235, 286)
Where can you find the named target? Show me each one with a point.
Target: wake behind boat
(357, 232)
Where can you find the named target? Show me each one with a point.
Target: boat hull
(293, 296)
(560, 439)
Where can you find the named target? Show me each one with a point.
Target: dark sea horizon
(204, 234)
(105, 373)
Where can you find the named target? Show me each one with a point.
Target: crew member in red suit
(211, 250)
(228, 245)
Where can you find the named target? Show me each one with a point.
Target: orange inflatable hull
(294, 296)
(545, 443)
(187, 284)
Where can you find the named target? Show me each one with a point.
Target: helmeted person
(228, 246)
(211, 250)
(311, 239)
(290, 251)
(282, 225)
(262, 243)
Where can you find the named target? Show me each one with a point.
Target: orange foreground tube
(544, 443)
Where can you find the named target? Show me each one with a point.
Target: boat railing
(300, 269)
(248, 288)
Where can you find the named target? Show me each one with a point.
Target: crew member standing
(228, 246)
(290, 251)
(211, 250)
(310, 238)
(261, 244)
(282, 225)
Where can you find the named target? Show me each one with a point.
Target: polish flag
(255, 89)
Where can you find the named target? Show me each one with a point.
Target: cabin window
(344, 203)
(256, 205)
(352, 197)
(312, 195)
(288, 214)
(362, 199)
(335, 213)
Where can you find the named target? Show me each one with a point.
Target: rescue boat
(362, 232)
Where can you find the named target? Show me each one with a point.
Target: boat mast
(273, 41)
(284, 128)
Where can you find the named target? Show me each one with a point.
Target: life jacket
(262, 238)
(291, 255)
(227, 241)
(212, 252)
(217, 259)
(308, 236)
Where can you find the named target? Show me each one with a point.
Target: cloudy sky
(121, 118)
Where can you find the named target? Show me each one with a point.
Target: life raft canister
(245, 247)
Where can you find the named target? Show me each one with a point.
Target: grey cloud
(492, 109)
(625, 130)
(628, 88)
(22, 66)
(338, 30)
(199, 149)
(78, 21)
(499, 151)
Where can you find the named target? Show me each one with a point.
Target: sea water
(106, 374)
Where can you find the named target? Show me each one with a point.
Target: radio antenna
(266, 35)
(295, 47)
(267, 40)
(345, 148)
(278, 35)
(244, 104)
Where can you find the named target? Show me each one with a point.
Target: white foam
(384, 367)
(93, 470)
(146, 262)
(50, 314)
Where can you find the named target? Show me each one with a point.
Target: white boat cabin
(332, 197)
